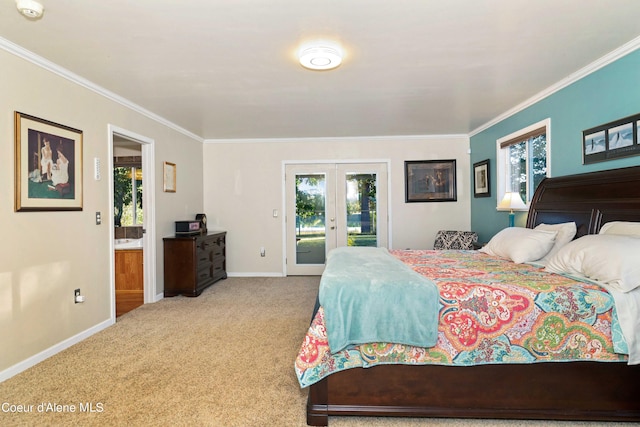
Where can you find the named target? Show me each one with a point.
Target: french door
(332, 205)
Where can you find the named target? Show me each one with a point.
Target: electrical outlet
(77, 298)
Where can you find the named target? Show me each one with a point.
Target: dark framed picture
(481, 183)
(611, 141)
(430, 181)
(48, 165)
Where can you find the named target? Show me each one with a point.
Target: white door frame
(285, 163)
(149, 225)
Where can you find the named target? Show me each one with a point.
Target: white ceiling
(226, 69)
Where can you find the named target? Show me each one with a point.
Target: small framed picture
(481, 183)
(430, 181)
(169, 177)
(48, 165)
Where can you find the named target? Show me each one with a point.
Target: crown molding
(607, 59)
(27, 55)
(337, 139)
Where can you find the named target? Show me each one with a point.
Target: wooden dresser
(193, 263)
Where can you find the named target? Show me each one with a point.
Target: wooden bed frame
(597, 391)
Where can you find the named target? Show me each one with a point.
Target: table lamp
(511, 201)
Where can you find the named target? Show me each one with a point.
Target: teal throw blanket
(369, 296)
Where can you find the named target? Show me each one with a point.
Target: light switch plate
(96, 168)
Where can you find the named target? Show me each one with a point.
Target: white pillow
(520, 244)
(621, 227)
(566, 232)
(606, 258)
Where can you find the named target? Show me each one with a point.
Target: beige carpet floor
(222, 359)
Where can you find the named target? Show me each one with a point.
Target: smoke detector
(30, 8)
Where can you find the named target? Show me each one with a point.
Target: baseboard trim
(45, 354)
(272, 274)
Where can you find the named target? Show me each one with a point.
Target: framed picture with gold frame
(169, 174)
(48, 165)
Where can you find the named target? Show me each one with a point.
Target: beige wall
(44, 256)
(243, 184)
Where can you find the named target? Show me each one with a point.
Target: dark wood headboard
(589, 199)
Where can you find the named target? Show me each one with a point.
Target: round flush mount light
(320, 56)
(30, 8)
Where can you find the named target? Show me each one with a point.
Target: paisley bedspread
(492, 311)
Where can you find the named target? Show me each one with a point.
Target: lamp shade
(511, 201)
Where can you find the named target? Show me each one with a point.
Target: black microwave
(188, 227)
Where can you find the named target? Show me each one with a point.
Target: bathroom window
(127, 189)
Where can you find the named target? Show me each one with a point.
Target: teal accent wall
(609, 94)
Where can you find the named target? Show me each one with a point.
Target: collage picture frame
(612, 140)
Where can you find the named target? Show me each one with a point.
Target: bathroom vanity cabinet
(193, 263)
(129, 278)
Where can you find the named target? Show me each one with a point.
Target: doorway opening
(133, 254)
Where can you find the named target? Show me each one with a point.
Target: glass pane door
(362, 204)
(361, 209)
(332, 205)
(311, 236)
(310, 217)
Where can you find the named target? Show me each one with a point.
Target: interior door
(332, 205)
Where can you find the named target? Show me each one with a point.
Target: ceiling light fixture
(30, 8)
(320, 56)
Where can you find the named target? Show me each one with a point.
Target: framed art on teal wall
(481, 183)
(610, 141)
